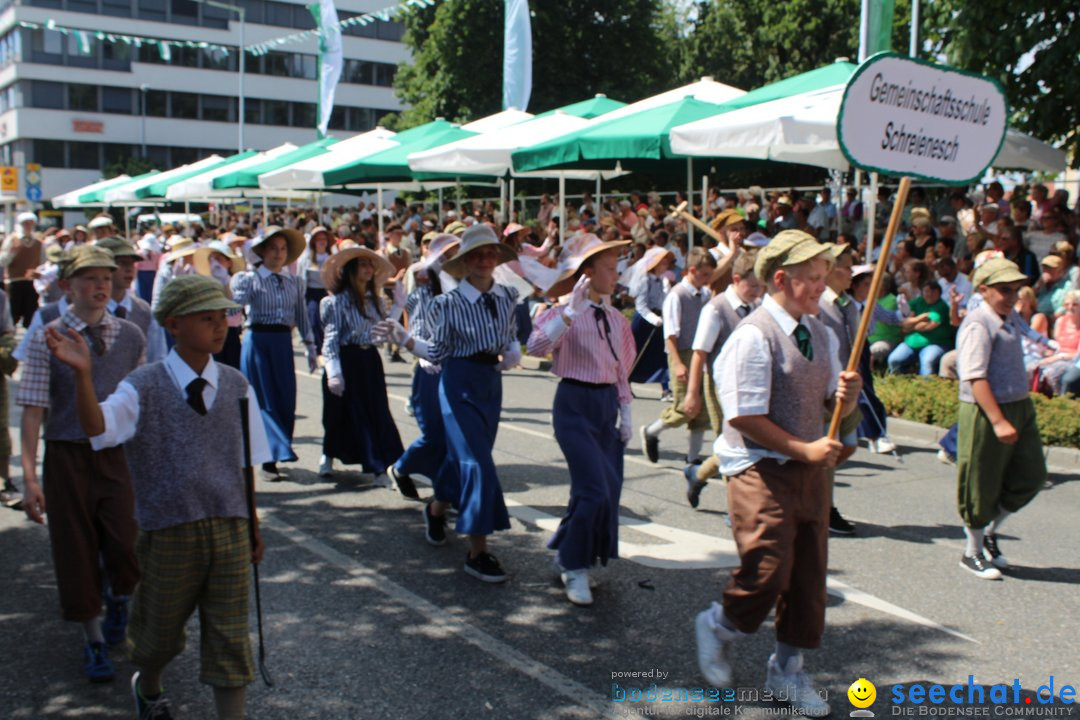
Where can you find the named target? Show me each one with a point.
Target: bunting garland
(83, 37)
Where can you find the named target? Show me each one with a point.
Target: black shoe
(980, 566)
(650, 446)
(485, 567)
(996, 558)
(403, 483)
(396, 357)
(114, 627)
(693, 485)
(838, 525)
(146, 709)
(434, 527)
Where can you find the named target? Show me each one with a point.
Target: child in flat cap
(87, 492)
(778, 373)
(1000, 464)
(194, 543)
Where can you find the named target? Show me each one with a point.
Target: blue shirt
(464, 325)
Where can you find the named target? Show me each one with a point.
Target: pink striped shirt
(581, 351)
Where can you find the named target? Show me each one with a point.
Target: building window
(116, 56)
(47, 46)
(277, 64)
(84, 155)
(302, 17)
(275, 112)
(49, 153)
(44, 94)
(338, 118)
(218, 59)
(216, 108)
(158, 155)
(45, 4)
(305, 66)
(215, 17)
(253, 111)
(361, 119)
(303, 115)
(83, 6)
(392, 31)
(254, 10)
(116, 100)
(184, 105)
(384, 74)
(150, 54)
(82, 97)
(116, 8)
(157, 103)
(152, 10)
(279, 13)
(185, 12)
(184, 155)
(117, 152)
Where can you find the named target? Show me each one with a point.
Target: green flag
(879, 23)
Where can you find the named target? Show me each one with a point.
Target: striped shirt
(589, 349)
(310, 271)
(344, 324)
(418, 305)
(463, 324)
(649, 297)
(272, 299)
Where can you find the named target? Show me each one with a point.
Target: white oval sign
(903, 116)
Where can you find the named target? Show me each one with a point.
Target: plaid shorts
(204, 565)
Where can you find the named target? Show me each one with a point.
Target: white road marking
(688, 550)
(440, 618)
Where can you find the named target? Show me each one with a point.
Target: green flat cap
(996, 271)
(85, 257)
(789, 247)
(118, 246)
(188, 294)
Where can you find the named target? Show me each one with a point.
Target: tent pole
(510, 201)
(438, 213)
(378, 207)
(705, 197)
(598, 200)
(690, 200)
(265, 213)
(127, 225)
(502, 200)
(562, 207)
(871, 217)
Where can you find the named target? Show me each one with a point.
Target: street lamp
(142, 90)
(241, 12)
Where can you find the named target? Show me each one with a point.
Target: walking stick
(871, 299)
(249, 482)
(681, 211)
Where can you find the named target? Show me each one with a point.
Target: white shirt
(155, 334)
(671, 309)
(962, 285)
(121, 409)
(708, 329)
(743, 377)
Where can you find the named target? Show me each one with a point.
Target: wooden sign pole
(681, 211)
(875, 289)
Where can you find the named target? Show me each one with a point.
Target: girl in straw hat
(646, 285)
(220, 261)
(273, 301)
(427, 454)
(473, 340)
(309, 269)
(593, 350)
(357, 425)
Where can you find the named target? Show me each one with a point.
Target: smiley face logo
(862, 693)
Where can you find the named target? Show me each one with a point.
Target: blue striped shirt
(344, 324)
(272, 299)
(650, 295)
(463, 325)
(418, 305)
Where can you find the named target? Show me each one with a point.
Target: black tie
(194, 395)
(489, 302)
(802, 337)
(120, 312)
(742, 311)
(604, 328)
(97, 342)
(280, 280)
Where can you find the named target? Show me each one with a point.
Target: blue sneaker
(114, 627)
(693, 485)
(96, 663)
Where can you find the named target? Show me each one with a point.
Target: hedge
(933, 400)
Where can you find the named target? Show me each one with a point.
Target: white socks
(974, 541)
(697, 439)
(995, 524)
(785, 652)
(92, 630)
(655, 429)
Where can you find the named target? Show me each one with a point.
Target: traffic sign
(33, 193)
(903, 116)
(9, 178)
(33, 182)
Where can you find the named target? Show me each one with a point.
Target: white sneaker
(326, 466)
(577, 586)
(791, 685)
(594, 575)
(945, 457)
(382, 480)
(714, 649)
(882, 446)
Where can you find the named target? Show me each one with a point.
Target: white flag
(517, 55)
(330, 59)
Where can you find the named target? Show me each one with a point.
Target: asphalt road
(365, 620)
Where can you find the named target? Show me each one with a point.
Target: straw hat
(320, 229)
(201, 261)
(455, 228)
(179, 247)
(513, 228)
(294, 242)
(475, 237)
(653, 256)
(100, 221)
(334, 266)
(574, 253)
(440, 245)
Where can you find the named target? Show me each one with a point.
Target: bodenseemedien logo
(862, 695)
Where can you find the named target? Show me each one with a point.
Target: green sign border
(870, 62)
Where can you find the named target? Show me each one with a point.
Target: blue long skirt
(586, 429)
(312, 298)
(470, 397)
(144, 284)
(266, 359)
(652, 367)
(874, 416)
(427, 455)
(358, 428)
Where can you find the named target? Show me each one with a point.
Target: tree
(129, 166)
(1032, 48)
(616, 47)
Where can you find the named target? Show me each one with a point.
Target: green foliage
(129, 166)
(618, 47)
(1032, 48)
(933, 400)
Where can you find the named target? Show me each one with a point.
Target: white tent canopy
(309, 173)
(706, 89)
(802, 129)
(125, 194)
(71, 198)
(498, 120)
(201, 186)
